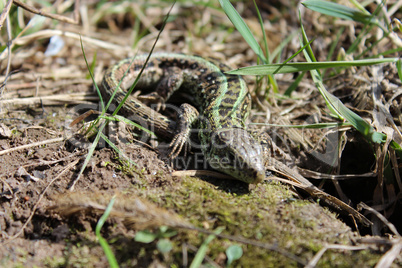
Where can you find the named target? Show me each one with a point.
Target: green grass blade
(297, 53)
(242, 27)
(199, 257)
(265, 39)
(106, 248)
(305, 66)
(363, 34)
(335, 43)
(336, 106)
(93, 64)
(114, 147)
(91, 74)
(390, 51)
(282, 45)
(355, 45)
(397, 147)
(145, 63)
(95, 142)
(399, 68)
(294, 85)
(359, 6)
(271, 78)
(339, 11)
(309, 126)
(90, 152)
(128, 122)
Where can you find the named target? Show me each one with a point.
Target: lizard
(222, 105)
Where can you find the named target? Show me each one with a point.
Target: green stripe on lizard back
(222, 101)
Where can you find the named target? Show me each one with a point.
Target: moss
(267, 213)
(52, 261)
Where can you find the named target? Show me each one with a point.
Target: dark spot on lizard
(229, 100)
(194, 66)
(150, 64)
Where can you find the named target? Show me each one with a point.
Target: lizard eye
(225, 136)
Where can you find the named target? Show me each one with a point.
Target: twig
(45, 162)
(313, 262)
(31, 9)
(22, 147)
(90, 41)
(381, 217)
(299, 181)
(320, 176)
(196, 173)
(73, 98)
(9, 35)
(391, 254)
(7, 185)
(388, 258)
(5, 12)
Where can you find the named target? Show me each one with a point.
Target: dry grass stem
(87, 41)
(60, 99)
(320, 176)
(314, 261)
(392, 254)
(33, 10)
(381, 217)
(40, 143)
(198, 173)
(5, 12)
(137, 214)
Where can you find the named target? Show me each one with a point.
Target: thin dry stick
(391, 254)
(31, 145)
(9, 34)
(394, 162)
(40, 198)
(388, 258)
(31, 9)
(396, 248)
(4, 16)
(313, 262)
(7, 185)
(5, 12)
(299, 181)
(320, 176)
(45, 162)
(196, 173)
(88, 41)
(381, 217)
(72, 98)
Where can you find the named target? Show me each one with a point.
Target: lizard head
(235, 152)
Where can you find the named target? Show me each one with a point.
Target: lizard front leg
(171, 81)
(186, 118)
